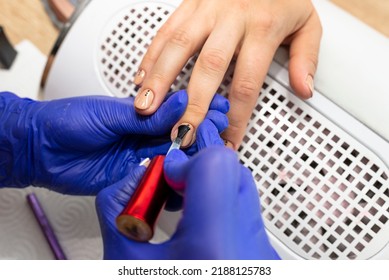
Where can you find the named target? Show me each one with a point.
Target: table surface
(27, 19)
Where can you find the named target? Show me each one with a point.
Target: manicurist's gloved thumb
(221, 212)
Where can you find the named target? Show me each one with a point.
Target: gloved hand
(221, 214)
(83, 144)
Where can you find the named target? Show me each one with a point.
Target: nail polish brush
(138, 219)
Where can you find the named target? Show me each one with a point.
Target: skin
(248, 31)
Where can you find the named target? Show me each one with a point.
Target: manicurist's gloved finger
(211, 181)
(218, 119)
(251, 222)
(208, 134)
(127, 121)
(219, 103)
(221, 205)
(176, 167)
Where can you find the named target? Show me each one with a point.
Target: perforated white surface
(323, 194)
(125, 43)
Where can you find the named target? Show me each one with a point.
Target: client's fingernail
(144, 99)
(228, 144)
(309, 82)
(189, 138)
(139, 76)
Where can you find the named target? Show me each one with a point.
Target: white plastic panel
(125, 41)
(323, 194)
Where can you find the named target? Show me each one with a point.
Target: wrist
(16, 140)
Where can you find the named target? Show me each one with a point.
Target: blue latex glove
(221, 215)
(83, 144)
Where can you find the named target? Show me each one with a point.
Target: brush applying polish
(138, 219)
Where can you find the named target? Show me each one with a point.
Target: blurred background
(28, 19)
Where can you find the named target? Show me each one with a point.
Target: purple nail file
(45, 226)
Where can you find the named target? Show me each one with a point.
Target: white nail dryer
(321, 166)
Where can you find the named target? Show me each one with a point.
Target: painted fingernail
(144, 99)
(139, 76)
(309, 82)
(228, 144)
(189, 137)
